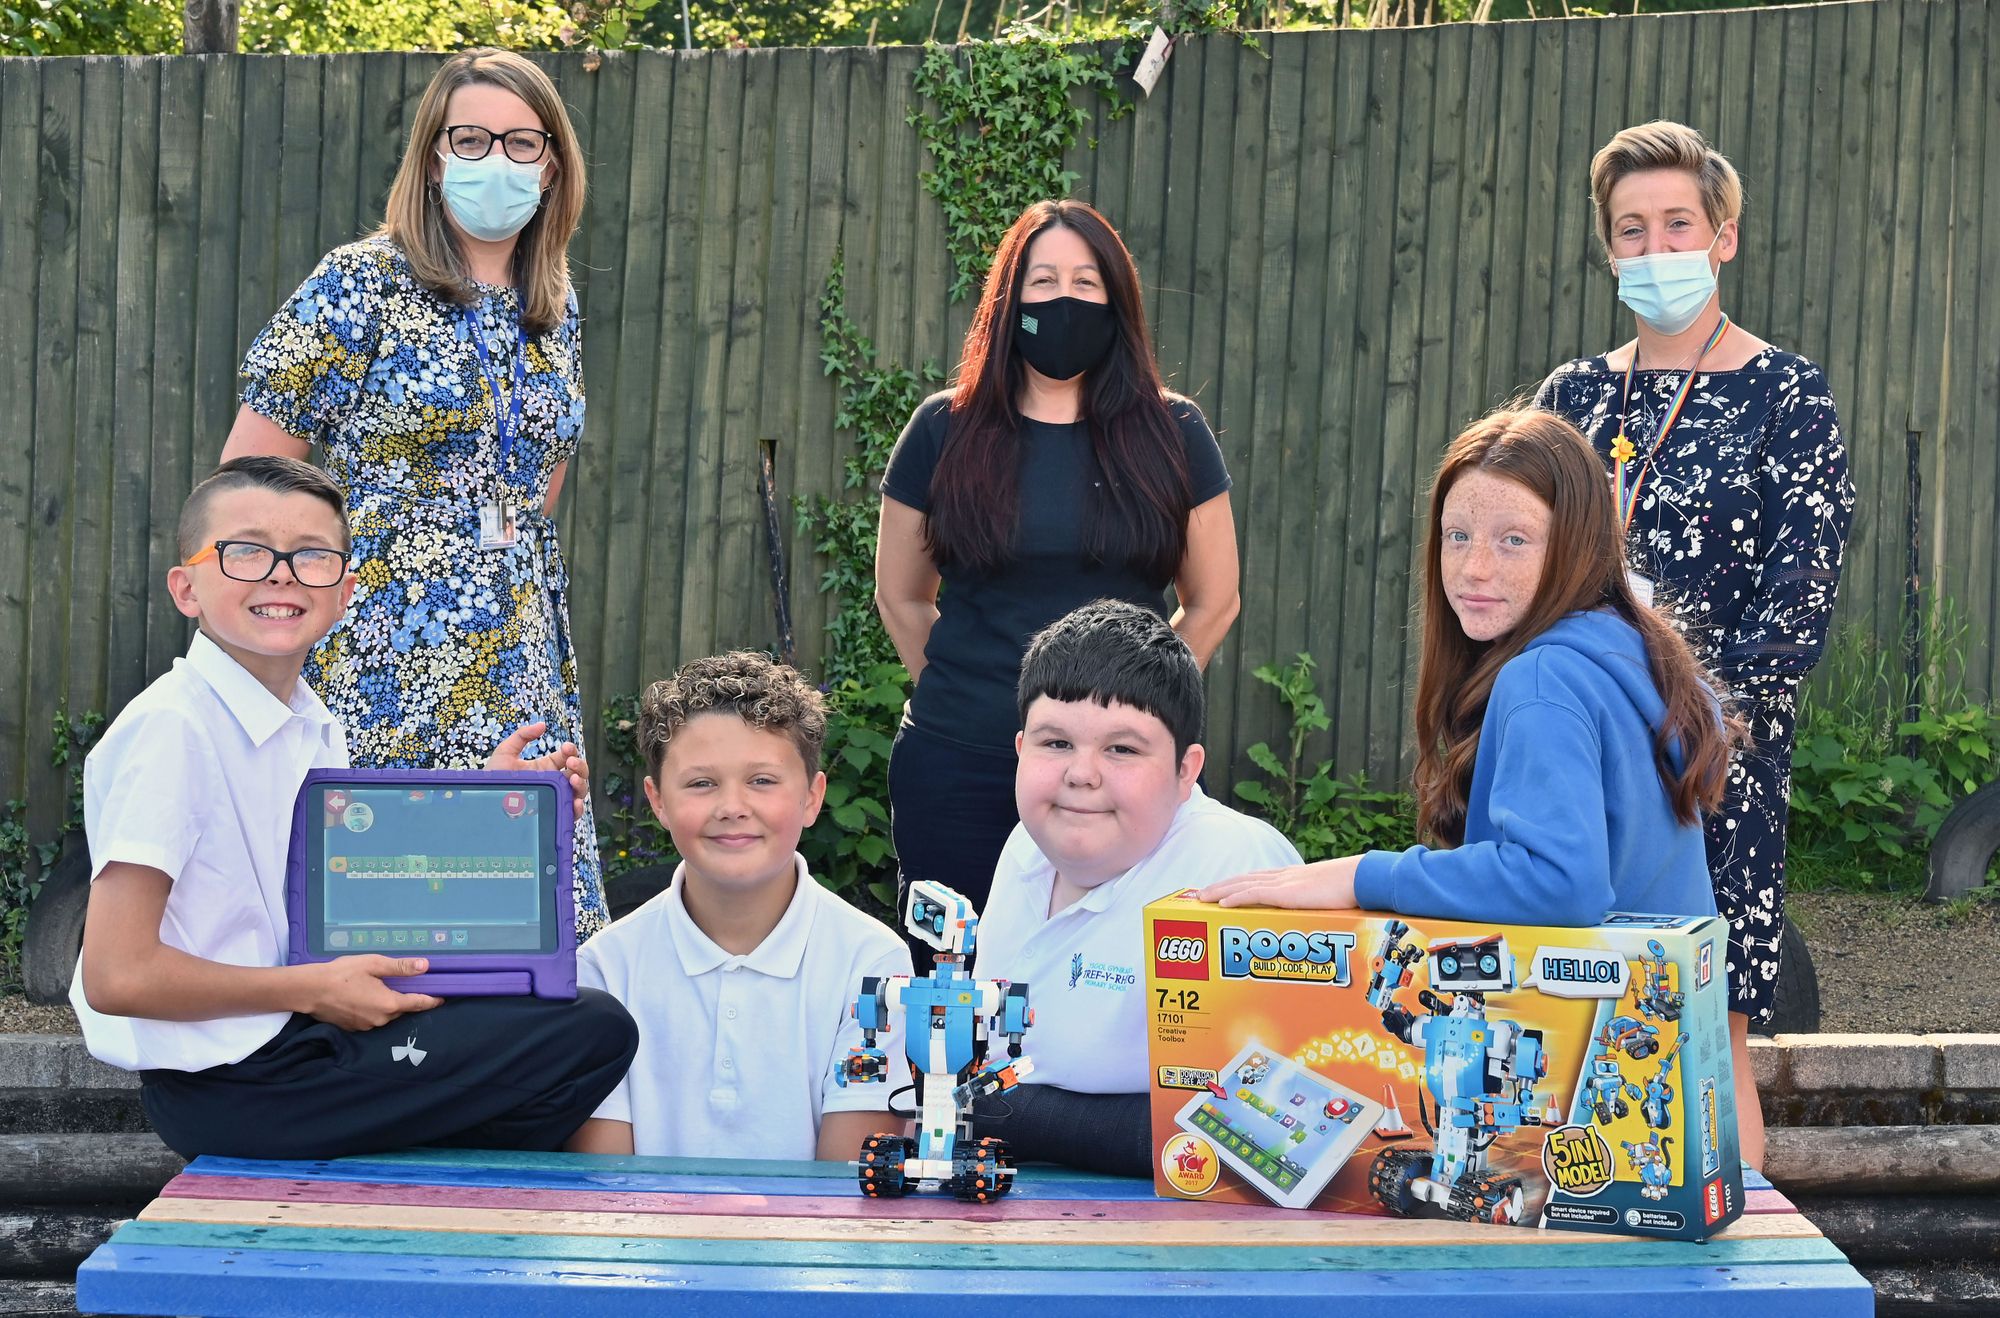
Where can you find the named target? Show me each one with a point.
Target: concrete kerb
(56, 1061)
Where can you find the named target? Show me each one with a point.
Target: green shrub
(1323, 815)
(1870, 785)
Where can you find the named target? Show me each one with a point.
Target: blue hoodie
(1567, 818)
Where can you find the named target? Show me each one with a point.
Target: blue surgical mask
(1667, 290)
(492, 199)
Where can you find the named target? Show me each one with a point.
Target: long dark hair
(1584, 569)
(1140, 513)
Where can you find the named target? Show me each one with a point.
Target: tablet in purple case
(469, 868)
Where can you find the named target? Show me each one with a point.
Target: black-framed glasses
(524, 146)
(246, 560)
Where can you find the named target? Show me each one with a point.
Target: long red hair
(1139, 514)
(1584, 569)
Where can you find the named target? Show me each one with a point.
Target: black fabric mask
(1064, 337)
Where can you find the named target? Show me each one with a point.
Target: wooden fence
(1352, 242)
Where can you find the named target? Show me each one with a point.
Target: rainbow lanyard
(1622, 451)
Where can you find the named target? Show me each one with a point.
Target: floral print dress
(447, 647)
(1741, 522)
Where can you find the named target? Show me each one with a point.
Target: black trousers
(951, 807)
(495, 1073)
(1108, 1133)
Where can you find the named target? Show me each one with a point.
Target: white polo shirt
(737, 1054)
(196, 779)
(1085, 968)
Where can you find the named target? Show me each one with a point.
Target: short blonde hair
(1664, 144)
(414, 219)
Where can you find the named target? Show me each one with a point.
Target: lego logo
(1180, 949)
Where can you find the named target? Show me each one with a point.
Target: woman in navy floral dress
(437, 366)
(1728, 461)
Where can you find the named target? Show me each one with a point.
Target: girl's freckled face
(1495, 535)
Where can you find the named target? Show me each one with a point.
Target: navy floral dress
(1742, 522)
(447, 647)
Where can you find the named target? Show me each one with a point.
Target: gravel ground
(1895, 966)
(1886, 965)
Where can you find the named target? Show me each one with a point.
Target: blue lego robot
(1480, 1074)
(1650, 1161)
(1605, 1089)
(1657, 1104)
(1655, 999)
(946, 1016)
(1636, 1039)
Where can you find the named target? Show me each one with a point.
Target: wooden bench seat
(461, 1233)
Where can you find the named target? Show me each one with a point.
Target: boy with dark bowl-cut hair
(1112, 818)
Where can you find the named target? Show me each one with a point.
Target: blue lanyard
(510, 425)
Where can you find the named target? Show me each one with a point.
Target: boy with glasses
(187, 807)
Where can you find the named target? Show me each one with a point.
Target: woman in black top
(1731, 478)
(1058, 471)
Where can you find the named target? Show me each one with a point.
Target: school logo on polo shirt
(1101, 974)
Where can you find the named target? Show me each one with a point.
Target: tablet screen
(440, 871)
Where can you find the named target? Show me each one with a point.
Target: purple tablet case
(460, 817)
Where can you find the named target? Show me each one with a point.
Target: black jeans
(1109, 1133)
(951, 807)
(493, 1073)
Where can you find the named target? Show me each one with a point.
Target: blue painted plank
(564, 1175)
(1505, 1250)
(142, 1279)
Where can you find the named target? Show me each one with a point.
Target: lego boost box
(1572, 1079)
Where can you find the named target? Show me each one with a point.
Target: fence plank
(220, 337)
(20, 212)
(86, 623)
(50, 461)
(132, 585)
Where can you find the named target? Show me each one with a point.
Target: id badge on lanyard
(499, 515)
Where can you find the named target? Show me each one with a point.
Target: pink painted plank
(189, 1185)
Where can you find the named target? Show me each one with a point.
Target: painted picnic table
(459, 1233)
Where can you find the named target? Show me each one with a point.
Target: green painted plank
(50, 459)
(491, 1160)
(1516, 89)
(1876, 441)
(1467, 393)
(1541, 202)
(88, 624)
(132, 585)
(20, 222)
(1930, 237)
(1546, 1253)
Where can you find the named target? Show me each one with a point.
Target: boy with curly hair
(742, 972)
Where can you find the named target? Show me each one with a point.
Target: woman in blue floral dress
(437, 367)
(1731, 478)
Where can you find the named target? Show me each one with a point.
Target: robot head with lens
(940, 917)
(1473, 965)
